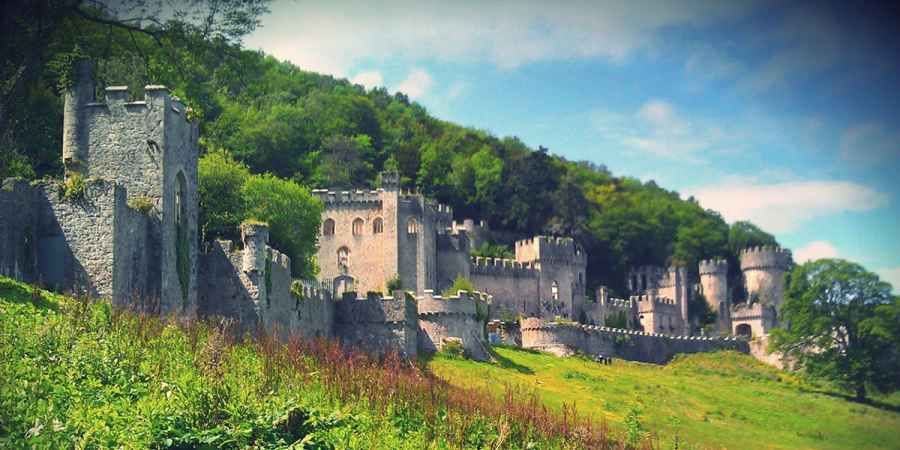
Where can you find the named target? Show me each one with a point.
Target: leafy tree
(841, 324)
(222, 206)
(293, 215)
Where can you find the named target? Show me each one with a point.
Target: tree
(840, 324)
(293, 215)
(222, 206)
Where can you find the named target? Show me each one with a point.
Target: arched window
(328, 227)
(182, 241)
(554, 290)
(412, 226)
(343, 259)
(580, 278)
(357, 226)
(378, 226)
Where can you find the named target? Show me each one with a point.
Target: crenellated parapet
(765, 257)
(503, 267)
(464, 303)
(551, 250)
(648, 303)
(357, 197)
(713, 267)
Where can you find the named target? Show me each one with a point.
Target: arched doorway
(743, 330)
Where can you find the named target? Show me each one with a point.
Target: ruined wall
(378, 324)
(514, 286)
(132, 284)
(442, 318)
(18, 249)
(567, 339)
(607, 308)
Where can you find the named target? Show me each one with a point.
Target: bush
(221, 203)
(74, 186)
(394, 283)
(141, 203)
(460, 284)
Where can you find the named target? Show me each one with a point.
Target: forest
(277, 128)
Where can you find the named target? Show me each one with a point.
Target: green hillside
(80, 374)
(716, 400)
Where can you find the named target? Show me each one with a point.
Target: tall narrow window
(182, 242)
(328, 227)
(412, 227)
(378, 226)
(343, 260)
(554, 290)
(358, 227)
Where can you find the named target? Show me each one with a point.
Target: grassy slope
(723, 399)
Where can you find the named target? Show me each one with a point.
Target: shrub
(394, 283)
(453, 349)
(141, 203)
(460, 284)
(221, 203)
(74, 186)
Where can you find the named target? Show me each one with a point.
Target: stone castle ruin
(124, 225)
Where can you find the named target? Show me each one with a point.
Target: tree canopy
(841, 323)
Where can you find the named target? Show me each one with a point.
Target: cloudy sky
(782, 113)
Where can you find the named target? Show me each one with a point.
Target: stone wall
(565, 339)
(513, 285)
(763, 269)
(132, 284)
(18, 249)
(377, 324)
(443, 318)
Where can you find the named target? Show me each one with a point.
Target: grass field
(717, 400)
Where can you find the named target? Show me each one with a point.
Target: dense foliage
(75, 373)
(841, 323)
(230, 194)
(318, 131)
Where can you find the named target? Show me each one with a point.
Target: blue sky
(782, 113)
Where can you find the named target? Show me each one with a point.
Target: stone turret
(75, 129)
(764, 269)
(714, 286)
(255, 236)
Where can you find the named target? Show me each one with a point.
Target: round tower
(714, 284)
(764, 269)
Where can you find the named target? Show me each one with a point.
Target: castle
(124, 225)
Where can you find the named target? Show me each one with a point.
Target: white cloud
(782, 207)
(891, 275)
(368, 79)
(333, 37)
(659, 129)
(870, 143)
(416, 84)
(815, 250)
(456, 89)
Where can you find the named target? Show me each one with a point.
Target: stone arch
(743, 329)
(378, 226)
(328, 227)
(358, 226)
(412, 226)
(341, 284)
(343, 260)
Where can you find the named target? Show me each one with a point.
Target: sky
(782, 113)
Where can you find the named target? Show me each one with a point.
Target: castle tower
(763, 269)
(714, 285)
(149, 147)
(255, 236)
(75, 131)
(561, 265)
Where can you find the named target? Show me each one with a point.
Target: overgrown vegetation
(77, 373)
(710, 400)
(394, 284)
(73, 187)
(461, 283)
(489, 250)
(141, 203)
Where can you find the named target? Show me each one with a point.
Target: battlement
(647, 303)
(463, 303)
(643, 278)
(765, 257)
(502, 266)
(713, 267)
(536, 324)
(550, 249)
(619, 303)
(399, 308)
(344, 198)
